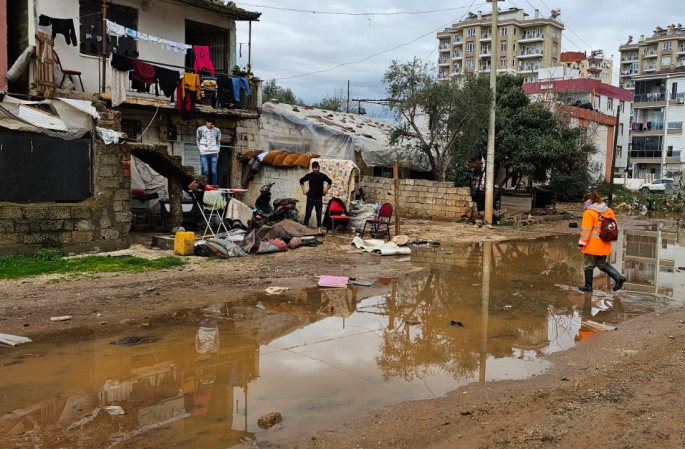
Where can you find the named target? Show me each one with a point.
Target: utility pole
(490, 160)
(348, 96)
(613, 155)
(103, 53)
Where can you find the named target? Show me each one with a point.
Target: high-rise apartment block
(525, 44)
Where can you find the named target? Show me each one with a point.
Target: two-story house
(593, 105)
(90, 34)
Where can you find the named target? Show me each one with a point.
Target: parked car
(663, 185)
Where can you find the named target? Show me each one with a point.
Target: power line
(569, 39)
(384, 51)
(568, 28)
(397, 13)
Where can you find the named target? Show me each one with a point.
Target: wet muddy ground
(454, 318)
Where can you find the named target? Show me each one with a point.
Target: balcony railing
(533, 35)
(486, 35)
(647, 126)
(651, 97)
(628, 72)
(456, 55)
(457, 40)
(456, 69)
(648, 68)
(681, 49)
(649, 53)
(484, 67)
(530, 52)
(630, 57)
(445, 46)
(528, 67)
(443, 61)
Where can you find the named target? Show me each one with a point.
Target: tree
(531, 140)
(272, 91)
(337, 102)
(434, 115)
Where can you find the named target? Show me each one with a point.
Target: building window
(623, 106)
(619, 150)
(620, 128)
(554, 49)
(665, 61)
(469, 63)
(675, 125)
(469, 48)
(90, 31)
(554, 32)
(513, 47)
(598, 101)
(610, 104)
(504, 31)
(667, 45)
(554, 62)
(503, 62)
(503, 46)
(471, 32)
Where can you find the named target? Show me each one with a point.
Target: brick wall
(100, 223)
(420, 199)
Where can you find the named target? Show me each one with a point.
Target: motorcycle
(283, 208)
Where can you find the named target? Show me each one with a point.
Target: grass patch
(50, 262)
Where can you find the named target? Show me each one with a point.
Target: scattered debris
(573, 224)
(13, 340)
(564, 378)
(151, 289)
(410, 322)
(363, 283)
(269, 420)
(400, 240)
(130, 341)
(333, 281)
(115, 410)
(61, 318)
(508, 307)
(276, 290)
(456, 323)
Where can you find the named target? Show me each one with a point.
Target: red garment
(202, 60)
(143, 72)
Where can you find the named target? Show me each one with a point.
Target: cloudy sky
(286, 45)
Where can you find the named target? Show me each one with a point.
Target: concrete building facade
(595, 66)
(525, 44)
(593, 105)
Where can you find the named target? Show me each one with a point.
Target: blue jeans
(209, 162)
(317, 204)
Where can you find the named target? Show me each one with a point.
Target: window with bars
(91, 35)
(213, 37)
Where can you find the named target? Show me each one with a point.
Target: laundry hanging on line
(64, 27)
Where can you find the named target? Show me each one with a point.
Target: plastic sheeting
(379, 247)
(336, 135)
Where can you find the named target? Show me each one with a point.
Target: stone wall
(100, 223)
(419, 198)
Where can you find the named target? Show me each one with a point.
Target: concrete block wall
(286, 185)
(100, 223)
(420, 198)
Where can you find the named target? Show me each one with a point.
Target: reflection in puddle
(324, 356)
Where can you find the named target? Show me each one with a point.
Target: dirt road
(621, 389)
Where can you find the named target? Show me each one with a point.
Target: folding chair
(384, 216)
(337, 214)
(213, 207)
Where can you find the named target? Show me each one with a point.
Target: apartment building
(595, 66)
(665, 49)
(525, 44)
(657, 136)
(591, 104)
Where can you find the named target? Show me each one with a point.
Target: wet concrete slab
(322, 357)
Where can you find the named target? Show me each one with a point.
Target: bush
(570, 186)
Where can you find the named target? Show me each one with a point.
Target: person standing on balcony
(595, 250)
(208, 142)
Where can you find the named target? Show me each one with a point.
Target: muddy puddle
(322, 357)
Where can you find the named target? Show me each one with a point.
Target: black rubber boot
(615, 275)
(588, 281)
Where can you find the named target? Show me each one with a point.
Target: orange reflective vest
(589, 233)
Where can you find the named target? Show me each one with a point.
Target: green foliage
(272, 91)
(460, 175)
(336, 102)
(453, 110)
(530, 139)
(50, 262)
(570, 186)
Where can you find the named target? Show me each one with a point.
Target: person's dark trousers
(317, 204)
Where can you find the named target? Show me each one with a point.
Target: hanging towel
(118, 84)
(115, 30)
(202, 60)
(132, 34)
(64, 27)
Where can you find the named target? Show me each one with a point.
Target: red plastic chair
(336, 212)
(384, 216)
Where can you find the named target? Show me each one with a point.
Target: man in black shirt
(315, 193)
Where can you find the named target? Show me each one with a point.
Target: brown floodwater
(322, 357)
